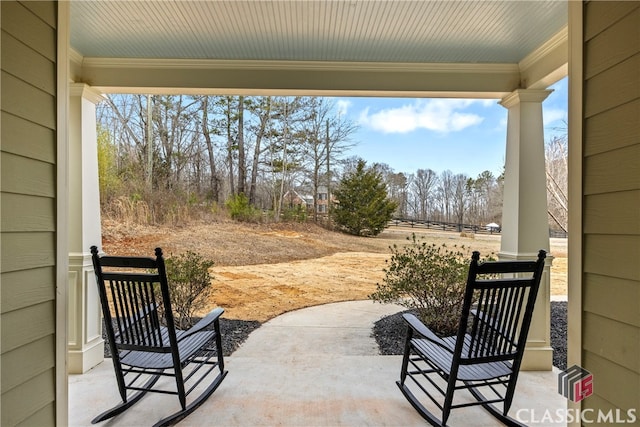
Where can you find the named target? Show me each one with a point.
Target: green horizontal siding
(22, 402)
(20, 212)
(23, 288)
(28, 153)
(22, 175)
(611, 208)
(28, 361)
(24, 251)
(34, 32)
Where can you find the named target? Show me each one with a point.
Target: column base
(537, 359)
(80, 361)
(85, 346)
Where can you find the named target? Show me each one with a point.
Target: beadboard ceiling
(472, 32)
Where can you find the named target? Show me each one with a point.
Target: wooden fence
(455, 227)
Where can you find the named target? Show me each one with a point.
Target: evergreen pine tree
(362, 206)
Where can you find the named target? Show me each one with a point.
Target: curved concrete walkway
(312, 367)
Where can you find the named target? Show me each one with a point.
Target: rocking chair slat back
(497, 301)
(139, 308)
(136, 313)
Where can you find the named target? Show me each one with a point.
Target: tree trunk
(242, 166)
(213, 180)
(328, 149)
(149, 174)
(264, 120)
(230, 147)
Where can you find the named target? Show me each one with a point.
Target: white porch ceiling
(368, 31)
(397, 39)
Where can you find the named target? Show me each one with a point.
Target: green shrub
(109, 182)
(362, 207)
(189, 285)
(429, 279)
(240, 209)
(295, 213)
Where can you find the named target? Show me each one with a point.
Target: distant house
(293, 198)
(323, 200)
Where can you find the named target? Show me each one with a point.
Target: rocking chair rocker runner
(487, 351)
(143, 341)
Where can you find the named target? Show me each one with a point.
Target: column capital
(85, 91)
(524, 95)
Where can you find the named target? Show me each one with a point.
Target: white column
(525, 227)
(85, 324)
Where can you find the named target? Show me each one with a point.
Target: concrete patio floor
(311, 367)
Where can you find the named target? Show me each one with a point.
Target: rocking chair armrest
(420, 328)
(212, 317)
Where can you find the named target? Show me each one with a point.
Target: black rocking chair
(143, 341)
(486, 353)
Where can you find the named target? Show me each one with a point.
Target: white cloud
(342, 105)
(488, 102)
(439, 115)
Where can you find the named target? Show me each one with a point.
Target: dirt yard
(262, 271)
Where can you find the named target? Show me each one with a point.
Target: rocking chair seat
(189, 343)
(443, 360)
(441, 350)
(186, 348)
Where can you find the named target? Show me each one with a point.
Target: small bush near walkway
(189, 285)
(429, 279)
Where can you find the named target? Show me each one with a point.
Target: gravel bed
(390, 333)
(235, 332)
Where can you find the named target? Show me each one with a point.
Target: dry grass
(262, 271)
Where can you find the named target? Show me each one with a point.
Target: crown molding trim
(558, 41)
(200, 64)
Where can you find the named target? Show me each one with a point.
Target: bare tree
(423, 186)
(175, 119)
(242, 164)
(459, 199)
(285, 148)
(261, 108)
(214, 179)
(556, 156)
(120, 115)
(482, 194)
(446, 191)
(326, 137)
(227, 112)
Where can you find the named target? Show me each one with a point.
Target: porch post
(85, 324)
(525, 227)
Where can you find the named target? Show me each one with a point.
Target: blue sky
(464, 136)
